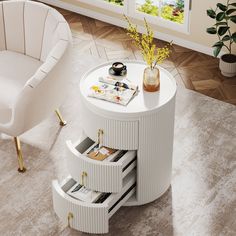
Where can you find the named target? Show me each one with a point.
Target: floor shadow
(56, 135)
(154, 218)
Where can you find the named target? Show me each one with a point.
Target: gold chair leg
(62, 121)
(21, 168)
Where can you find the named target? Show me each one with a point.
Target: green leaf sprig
(223, 15)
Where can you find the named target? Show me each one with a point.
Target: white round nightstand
(138, 174)
(146, 124)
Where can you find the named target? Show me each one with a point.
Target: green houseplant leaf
(218, 44)
(221, 6)
(233, 4)
(222, 30)
(211, 30)
(226, 38)
(220, 16)
(233, 18)
(211, 13)
(230, 11)
(234, 37)
(216, 51)
(220, 23)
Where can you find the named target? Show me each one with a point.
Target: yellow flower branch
(151, 54)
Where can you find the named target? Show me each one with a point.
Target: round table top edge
(121, 114)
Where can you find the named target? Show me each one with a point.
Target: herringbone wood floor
(194, 70)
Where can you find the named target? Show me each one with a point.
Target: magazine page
(111, 93)
(125, 83)
(83, 194)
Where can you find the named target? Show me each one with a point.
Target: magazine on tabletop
(113, 90)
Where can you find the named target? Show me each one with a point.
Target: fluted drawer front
(116, 134)
(97, 175)
(89, 217)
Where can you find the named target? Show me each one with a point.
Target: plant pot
(228, 65)
(151, 79)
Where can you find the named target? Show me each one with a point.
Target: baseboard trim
(121, 23)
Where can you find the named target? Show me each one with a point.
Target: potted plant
(151, 54)
(225, 20)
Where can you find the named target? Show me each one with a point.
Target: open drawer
(103, 176)
(90, 217)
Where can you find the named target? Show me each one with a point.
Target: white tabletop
(143, 102)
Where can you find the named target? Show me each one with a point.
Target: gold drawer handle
(69, 218)
(100, 133)
(84, 174)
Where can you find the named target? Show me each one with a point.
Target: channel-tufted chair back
(31, 28)
(39, 32)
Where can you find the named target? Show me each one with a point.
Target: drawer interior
(128, 159)
(113, 200)
(86, 144)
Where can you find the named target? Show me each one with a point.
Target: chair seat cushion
(15, 70)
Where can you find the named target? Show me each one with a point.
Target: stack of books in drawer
(102, 153)
(86, 195)
(99, 153)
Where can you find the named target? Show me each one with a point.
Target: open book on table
(112, 90)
